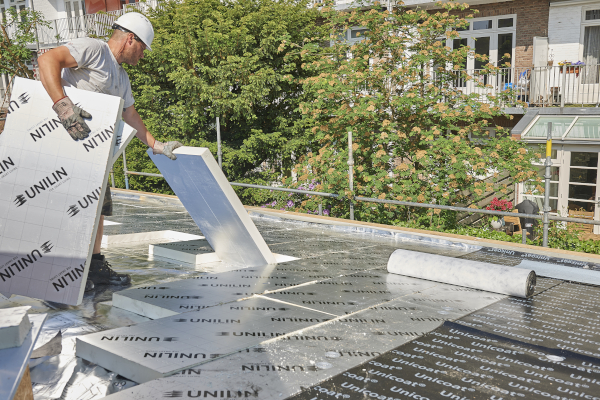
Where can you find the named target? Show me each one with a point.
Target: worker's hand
(72, 117)
(166, 148)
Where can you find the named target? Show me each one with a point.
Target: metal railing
(62, 30)
(539, 87)
(353, 199)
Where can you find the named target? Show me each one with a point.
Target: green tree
(213, 58)
(17, 31)
(396, 91)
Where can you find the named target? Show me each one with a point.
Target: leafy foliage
(16, 31)
(224, 59)
(396, 90)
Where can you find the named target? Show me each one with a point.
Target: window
(478, 25)
(2, 14)
(358, 33)
(457, 44)
(540, 127)
(21, 9)
(591, 15)
(505, 41)
(591, 53)
(69, 15)
(493, 37)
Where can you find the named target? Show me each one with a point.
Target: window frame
(471, 35)
(584, 24)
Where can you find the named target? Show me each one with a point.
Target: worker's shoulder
(87, 43)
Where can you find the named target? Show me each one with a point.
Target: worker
(95, 65)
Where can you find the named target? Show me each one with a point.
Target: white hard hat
(137, 24)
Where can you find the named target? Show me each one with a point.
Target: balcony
(552, 86)
(62, 30)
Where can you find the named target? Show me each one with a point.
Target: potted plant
(570, 67)
(497, 222)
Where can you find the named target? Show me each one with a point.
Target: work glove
(166, 148)
(72, 117)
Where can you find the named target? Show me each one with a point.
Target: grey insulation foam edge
(455, 271)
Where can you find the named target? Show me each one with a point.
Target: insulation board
(348, 294)
(196, 252)
(199, 292)
(14, 326)
(13, 361)
(285, 366)
(162, 347)
(204, 191)
(51, 191)
(124, 133)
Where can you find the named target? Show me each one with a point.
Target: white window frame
(493, 33)
(585, 24)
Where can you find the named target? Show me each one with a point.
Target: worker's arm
(131, 116)
(71, 116)
(51, 65)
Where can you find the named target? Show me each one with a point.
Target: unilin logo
(62, 281)
(46, 247)
(102, 136)
(73, 210)
(20, 200)
(39, 130)
(21, 262)
(6, 167)
(23, 99)
(85, 202)
(42, 185)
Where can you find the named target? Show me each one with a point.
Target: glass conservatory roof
(564, 128)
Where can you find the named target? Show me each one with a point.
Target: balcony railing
(540, 87)
(62, 30)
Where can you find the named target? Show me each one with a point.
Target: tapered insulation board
(124, 133)
(204, 191)
(51, 191)
(162, 347)
(200, 292)
(467, 273)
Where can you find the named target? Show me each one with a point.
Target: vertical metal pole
(112, 177)
(524, 235)
(56, 31)
(37, 39)
(351, 173)
(321, 209)
(564, 86)
(219, 154)
(125, 171)
(547, 186)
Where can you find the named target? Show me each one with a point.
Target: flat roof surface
(384, 335)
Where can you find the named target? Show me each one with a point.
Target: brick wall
(532, 20)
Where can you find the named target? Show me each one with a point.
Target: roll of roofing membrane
(456, 271)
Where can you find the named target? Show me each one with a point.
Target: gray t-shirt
(97, 70)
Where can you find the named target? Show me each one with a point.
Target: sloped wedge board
(204, 191)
